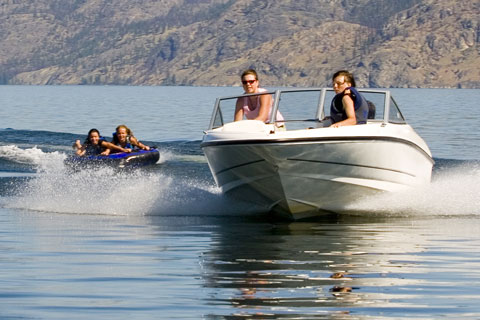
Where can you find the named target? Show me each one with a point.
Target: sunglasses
(248, 81)
(338, 83)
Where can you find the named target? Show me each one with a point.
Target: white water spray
(107, 191)
(453, 191)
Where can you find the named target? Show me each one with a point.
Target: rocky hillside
(387, 43)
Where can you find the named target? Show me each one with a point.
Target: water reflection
(308, 270)
(55, 265)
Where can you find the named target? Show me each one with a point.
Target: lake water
(164, 243)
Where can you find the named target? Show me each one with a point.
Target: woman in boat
(123, 137)
(348, 106)
(254, 107)
(95, 145)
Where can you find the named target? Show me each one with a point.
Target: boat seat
(246, 126)
(371, 110)
(325, 122)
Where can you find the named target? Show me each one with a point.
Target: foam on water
(105, 191)
(42, 161)
(54, 188)
(167, 156)
(88, 192)
(453, 191)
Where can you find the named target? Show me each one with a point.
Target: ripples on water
(76, 266)
(346, 268)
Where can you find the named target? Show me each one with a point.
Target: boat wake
(453, 192)
(34, 158)
(153, 191)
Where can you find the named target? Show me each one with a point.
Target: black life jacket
(93, 150)
(337, 113)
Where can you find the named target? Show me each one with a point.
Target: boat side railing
(386, 112)
(321, 104)
(216, 109)
(217, 118)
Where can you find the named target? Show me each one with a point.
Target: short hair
(249, 71)
(347, 75)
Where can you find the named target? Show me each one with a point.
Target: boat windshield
(307, 108)
(394, 114)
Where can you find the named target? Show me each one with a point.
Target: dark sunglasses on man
(248, 81)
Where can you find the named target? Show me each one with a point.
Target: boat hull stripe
(352, 165)
(313, 139)
(239, 166)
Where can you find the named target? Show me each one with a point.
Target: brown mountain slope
(411, 43)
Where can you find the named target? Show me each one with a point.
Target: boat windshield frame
(389, 104)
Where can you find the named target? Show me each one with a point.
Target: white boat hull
(302, 177)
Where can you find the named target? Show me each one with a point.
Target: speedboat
(136, 158)
(300, 167)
